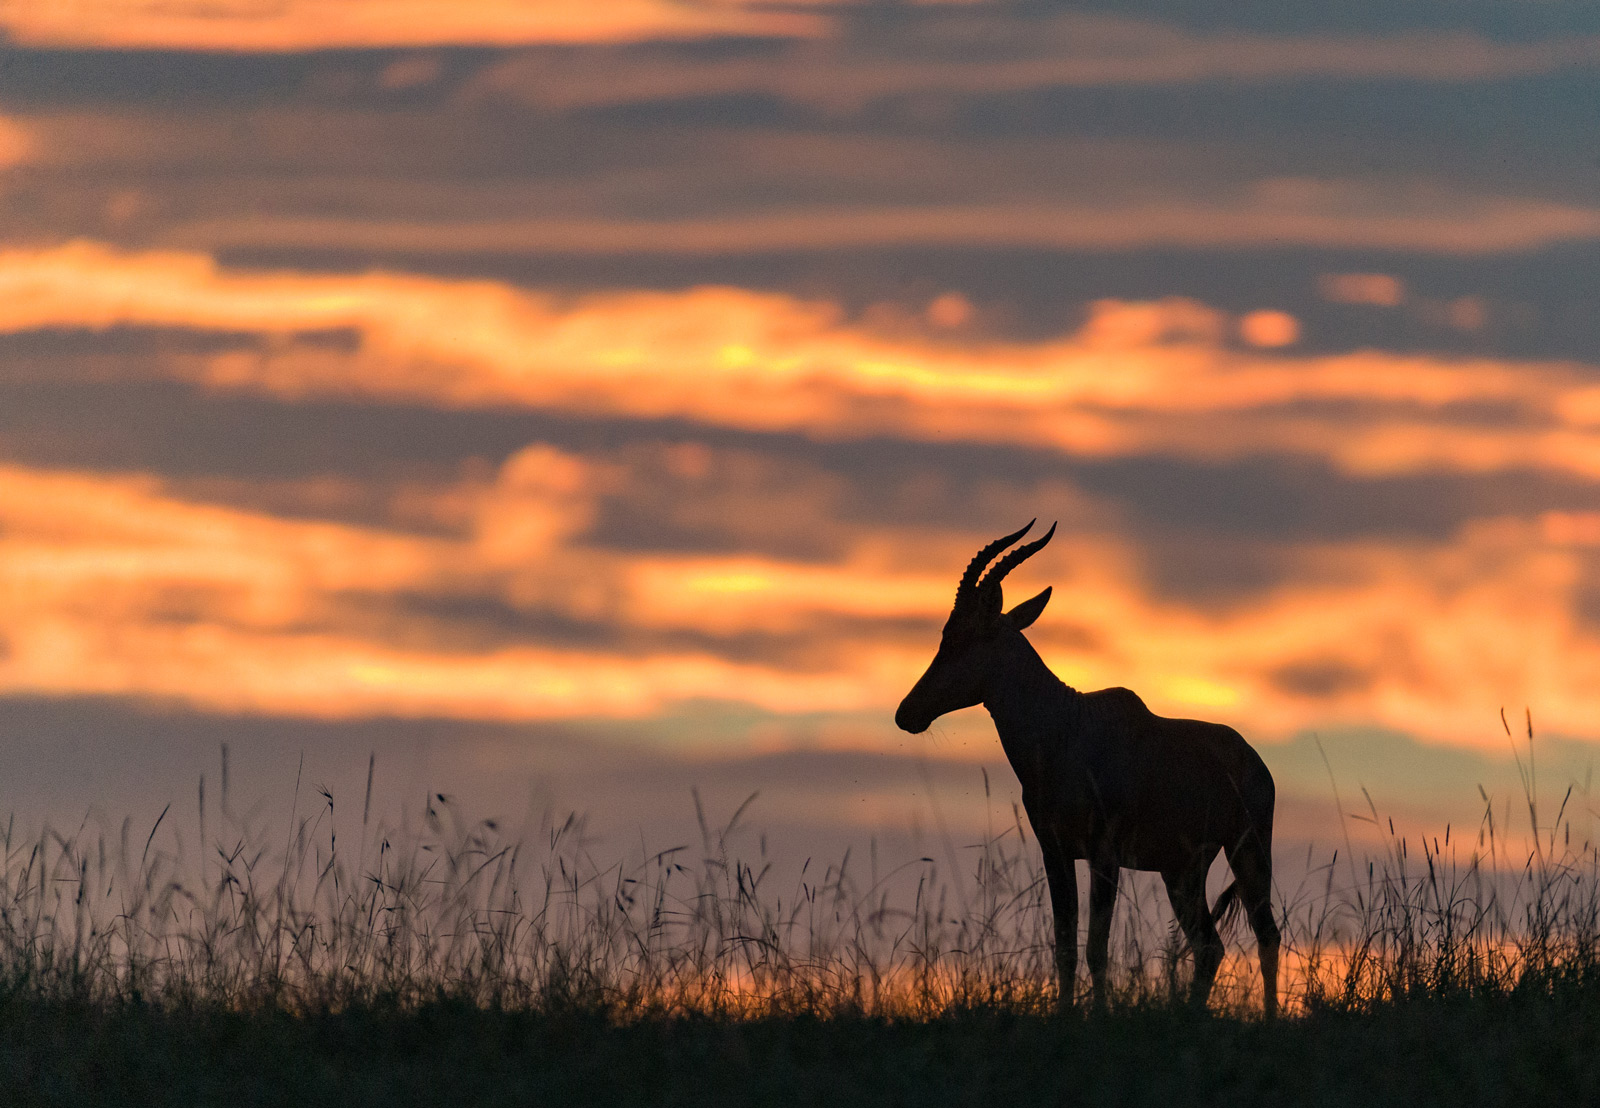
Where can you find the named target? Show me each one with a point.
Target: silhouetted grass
(1502, 1050)
(458, 964)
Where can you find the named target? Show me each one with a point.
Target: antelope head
(959, 675)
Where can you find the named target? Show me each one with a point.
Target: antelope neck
(1031, 707)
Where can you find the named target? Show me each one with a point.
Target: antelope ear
(1025, 613)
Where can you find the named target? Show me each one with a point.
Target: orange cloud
(1269, 328)
(108, 585)
(1425, 641)
(340, 677)
(1135, 379)
(228, 25)
(17, 142)
(112, 585)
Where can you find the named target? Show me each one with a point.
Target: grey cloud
(1294, 500)
(1217, 536)
(1586, 591)
(988, 52)
(1317, 679)
(1129, 41)
(1209, 570)
(177, 430)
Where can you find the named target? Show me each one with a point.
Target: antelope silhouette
(1107, 780)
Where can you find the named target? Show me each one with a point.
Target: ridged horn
(967, 590)
(1011, 561)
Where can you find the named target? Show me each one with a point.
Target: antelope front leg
(1062, 875)
(1102, 901)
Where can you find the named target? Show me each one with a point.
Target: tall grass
(460, 910)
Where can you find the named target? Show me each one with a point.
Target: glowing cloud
(116, 585)
(1134, 379)
(1269, 328)
(17, 143)
(111, 585)
(228, 25)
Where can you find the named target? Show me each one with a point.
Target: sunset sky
(575, 403)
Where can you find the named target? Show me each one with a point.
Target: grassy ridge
(1513, 1049)
(456, 964)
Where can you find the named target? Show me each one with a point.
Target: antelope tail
(1227, 907)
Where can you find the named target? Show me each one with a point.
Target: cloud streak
(439, 179)
(1137, 378)
(1329, 215)
(226, 25)
(976, 56)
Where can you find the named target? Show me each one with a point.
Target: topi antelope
(1107, 780)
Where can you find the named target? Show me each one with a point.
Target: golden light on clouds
(113, 585)
(1133, 379)
(17, 143)
(117, 584)
(108, 586)
(1269, 328)
(232, 25)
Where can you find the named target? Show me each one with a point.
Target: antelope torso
(1119, 783)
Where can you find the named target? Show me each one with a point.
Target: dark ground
(1506, 1050)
